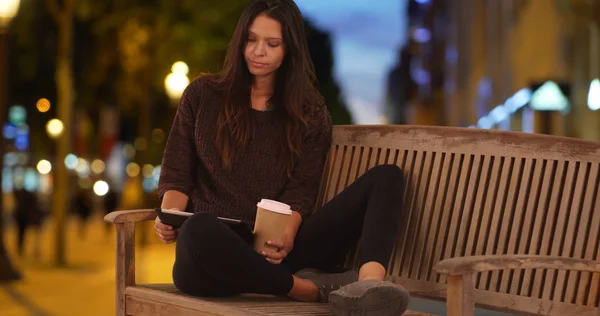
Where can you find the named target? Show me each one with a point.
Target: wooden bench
(503, 220)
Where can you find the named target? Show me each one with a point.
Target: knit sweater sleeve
(303, 187)
(180, 159)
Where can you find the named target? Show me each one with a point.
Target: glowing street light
(8, 10)
(101, 188)
(43, 104)
(44, 167)
(54, 127)
(177, 80)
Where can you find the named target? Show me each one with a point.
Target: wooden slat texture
(449, 179)
(145, 301)
(456, 207)
(416, 236)
(468, 192)
(513, 198)
(557, 218)
(569, 222)
(398, 158)
(421, 268)
(481, 214)
(468, 205)
(515, 224)
(591, 232)
(463, 140)
(346, 168)
(411, 211)
(592, 251)
(439, 218)
(571, 247)
(336, 155)
(543, 182)
(500, 182)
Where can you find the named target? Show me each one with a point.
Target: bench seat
(165, 299)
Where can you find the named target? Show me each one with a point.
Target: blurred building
(415, 91)
(511, 46)
(480, 62)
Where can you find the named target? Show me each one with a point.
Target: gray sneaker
(327, 282)
(369, 298)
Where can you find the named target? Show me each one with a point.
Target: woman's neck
(263, 86)
(262, 90)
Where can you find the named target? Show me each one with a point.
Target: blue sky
(366, 35)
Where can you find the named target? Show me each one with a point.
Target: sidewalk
(86, 285)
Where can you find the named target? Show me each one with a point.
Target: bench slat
(591, 230)
(165, 299)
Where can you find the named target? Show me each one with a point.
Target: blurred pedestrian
(82, 205)
(27, 213)
(110, 205)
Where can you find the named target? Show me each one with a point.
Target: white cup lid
(275, 206)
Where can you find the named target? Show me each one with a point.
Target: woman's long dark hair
(294, 96)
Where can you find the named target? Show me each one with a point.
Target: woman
(260, 129)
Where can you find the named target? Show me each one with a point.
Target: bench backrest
(484, 192)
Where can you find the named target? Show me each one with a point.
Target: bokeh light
(158, 135)
(54, 128)
(10, 159)
(148, 171)
(44, 166)
(43, 105)
(175, 84)
(97, 166)
(101, 188)
(180, 67)
(132, 169)
(17, 115)
(10, 131)
(83, 168)
(71, 161)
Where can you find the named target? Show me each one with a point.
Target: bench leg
(125, 272)
(460, 296)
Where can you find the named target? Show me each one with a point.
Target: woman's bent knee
(387, 174)
(198, 226)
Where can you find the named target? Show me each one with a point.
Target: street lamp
(8, 10)
(177, 81)
(55, 128)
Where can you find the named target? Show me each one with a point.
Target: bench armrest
(475, 264)
(119, 217)
(125, 256)
(461, 271)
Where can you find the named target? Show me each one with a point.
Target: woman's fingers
(164, 232)
(274, 255)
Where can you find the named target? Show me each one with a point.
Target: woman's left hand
(283, 248)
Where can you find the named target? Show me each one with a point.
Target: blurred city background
(89, 89)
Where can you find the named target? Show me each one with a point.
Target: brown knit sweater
(192, 164)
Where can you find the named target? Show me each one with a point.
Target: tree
(319, 44)
(62, 12)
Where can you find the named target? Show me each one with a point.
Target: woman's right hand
(165, 233)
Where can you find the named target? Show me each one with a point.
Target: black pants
(212, 259)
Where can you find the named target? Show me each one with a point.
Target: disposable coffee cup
(271, 220)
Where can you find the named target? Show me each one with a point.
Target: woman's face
(264, 50)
